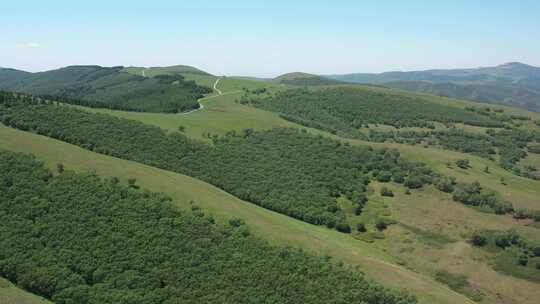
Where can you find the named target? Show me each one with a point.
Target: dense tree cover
(514, 255)
(285, 170)
(76, 238)
(346, 109)
(101, 87)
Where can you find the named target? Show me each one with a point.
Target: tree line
(344, 110)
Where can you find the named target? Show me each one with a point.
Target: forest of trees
(285, 170)
(103, 87)
(343, 110)
(77, 238)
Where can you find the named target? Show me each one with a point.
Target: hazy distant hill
(513, 83)
(305, 79)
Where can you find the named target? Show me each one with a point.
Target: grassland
(277, 228)
(425, 219)
(431, 230)
(222, 114)
(10, 294)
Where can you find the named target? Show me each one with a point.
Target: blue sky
(267, 38)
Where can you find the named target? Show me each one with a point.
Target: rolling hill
(513, 83)
(109, 87)
(426, 245)
(305, 79)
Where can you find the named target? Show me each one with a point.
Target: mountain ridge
(511, 83)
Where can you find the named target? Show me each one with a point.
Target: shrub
(381, 224)
(360, 227)
(463, 163)
(236, 222)
(386, 192)
(343, 227)
(478, 239)
(384, 176)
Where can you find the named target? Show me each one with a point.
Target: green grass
(222, 114)
(426, 210)
(11, 294)
(277, 228)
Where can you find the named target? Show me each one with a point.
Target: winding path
(201, 106)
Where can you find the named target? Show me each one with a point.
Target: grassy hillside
(277, 228)
(10, 294)
(103, 87)
(445, 247)
(357, 112)
(137, 247)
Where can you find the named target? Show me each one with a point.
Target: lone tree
(478, 239)
(381, 225)
(131, 182)
(463, 163)
(386, 192)
(60, 167)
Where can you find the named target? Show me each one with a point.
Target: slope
(105, 87)
(11, 294)
(277, 228)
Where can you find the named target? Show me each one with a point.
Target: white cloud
(27, 45)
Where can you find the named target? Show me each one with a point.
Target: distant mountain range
(514, 84)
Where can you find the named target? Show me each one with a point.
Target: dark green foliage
(473, 195)
(102, 87)
(386, 192)
(236, 222)
(381, 224)
(445, 184)
(284, 170)
(60, 167)
(360, 227)
(343, 227)
(513, 255)
(384, 176)
(478, 239)
(463, 163)
(413, 182)
(75, 238)
(346, 109)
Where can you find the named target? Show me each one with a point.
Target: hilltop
(305, 79)
(513, 83)
(110, 87)
(166, 70)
